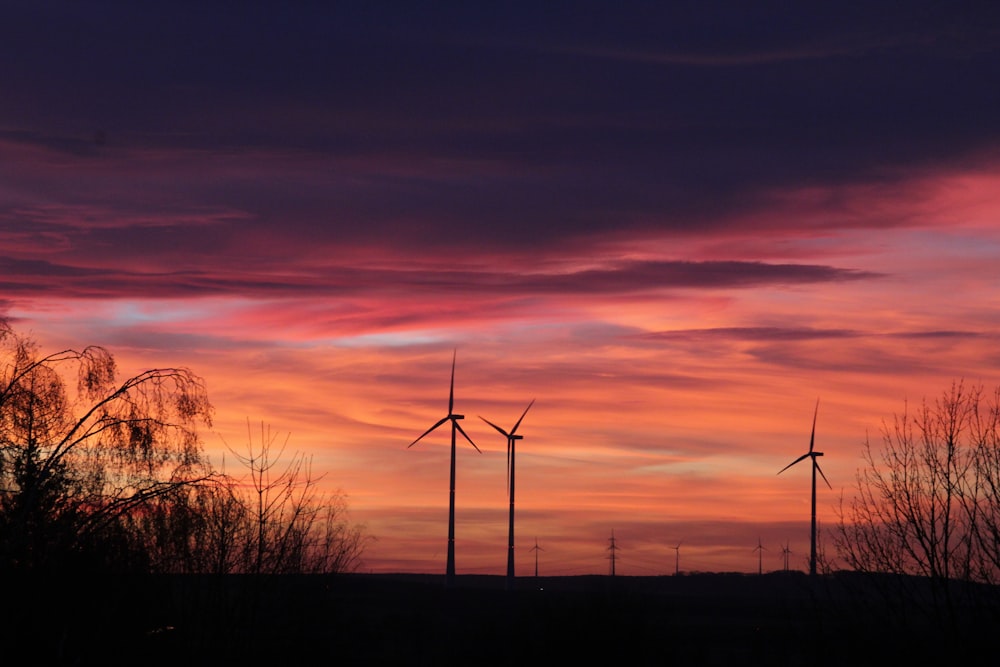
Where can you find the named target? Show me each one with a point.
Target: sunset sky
(673, 225)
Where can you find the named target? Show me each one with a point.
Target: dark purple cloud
(36, 277)
(810, 349)
(506, 126)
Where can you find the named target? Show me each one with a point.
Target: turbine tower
(512, 437)
(536, 549)
(455, 427)
(677, 559)
(812, 454)
(760, 556)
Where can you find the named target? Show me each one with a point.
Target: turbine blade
(502, 432)
(514, 430)
(820, 470)
(804, 456)
(812, 438)
(466, 435)
(451, 390)
(443, 420)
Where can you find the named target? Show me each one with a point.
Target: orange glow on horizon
(673, 374)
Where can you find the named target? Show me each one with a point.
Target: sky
(674, 226)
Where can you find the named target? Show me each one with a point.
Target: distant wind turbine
(815, 468)
(760, 556)
(536, 549)
(512, 437)
(455, 427)
(786, 552)
(677, 559)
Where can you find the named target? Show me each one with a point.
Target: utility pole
(612, 549)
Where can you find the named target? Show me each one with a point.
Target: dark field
(705, 619)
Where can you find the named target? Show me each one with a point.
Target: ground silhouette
(706, 619)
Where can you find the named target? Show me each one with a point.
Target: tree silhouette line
(923, 522)
(109, 476)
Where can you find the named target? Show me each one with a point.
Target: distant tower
(613, 548)
(760, 556)
(536, 549)
(785, 551)
(812, 454)
(512, 437)
(455, 428)
(677, 559)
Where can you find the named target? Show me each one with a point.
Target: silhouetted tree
(289, 524)
(193, 529)
(80, 451)
(984, 494)
(925, 508)
(270, 517)
(113, 474)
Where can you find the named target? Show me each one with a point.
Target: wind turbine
(512, 437)
(760, 556)
(455, 427)
(786, 552)
(677, 559)
(815, 468)
(536, 549)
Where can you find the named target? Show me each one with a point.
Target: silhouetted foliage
(926, 507)
(80, 452)
(275, 518)
(99, 475)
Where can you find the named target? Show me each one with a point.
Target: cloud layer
(674, 226)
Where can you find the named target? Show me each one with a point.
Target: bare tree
(925, 508)
(985, 491)
(273, 518)
(100, 470)
(195, 529)
(291, 525)
(75, 457)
